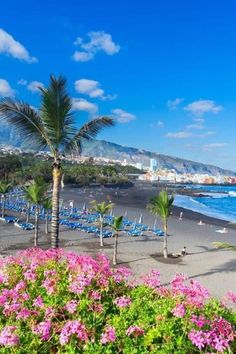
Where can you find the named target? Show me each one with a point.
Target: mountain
(105, 149)
(101, 148)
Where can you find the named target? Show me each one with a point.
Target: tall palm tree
(35, 193)
(102, 209)
(161, 205)
(47, 204)
(52, 127)
(116, 226)
(4, 189)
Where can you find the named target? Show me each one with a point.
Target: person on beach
(183, 252)
(181, 216)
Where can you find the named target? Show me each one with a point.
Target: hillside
(101, 148)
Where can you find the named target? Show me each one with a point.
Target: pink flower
(23, 314)
(71, 328)
(50, 312)
(135, 331)
(231, 296)
(123, 301)
(108, 336)
(197, 338)
(30, 275)
(179, 311)
(152, 280)
(200, 321)
(50, 285)
(71, 306)
(8, 338)
(43, 330)
(38, 302)
(95, 295)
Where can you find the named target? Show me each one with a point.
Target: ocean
(218, 201)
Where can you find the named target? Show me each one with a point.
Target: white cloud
(214, 146)
(206, 134)
(173, 104)
(80, 104)
(5, 89)
(179, 135)
(92, 88)
(33, 86)
(22, 82)
(195, 127)
(82, 56)
(160, 124)
(10, 46)
(122, 116)
(99, 41)
(201, 107)
(199, 120)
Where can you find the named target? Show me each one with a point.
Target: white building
(153, 165)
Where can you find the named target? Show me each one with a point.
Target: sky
(165, 70)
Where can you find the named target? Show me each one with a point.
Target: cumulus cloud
(179, 135)
(80, 104)
(214, 146)
(34, 86)
(173, 104)
(122, 116)
(200, 107)
(5, 89)
(92, 88)
(99, 41)
(9, 46)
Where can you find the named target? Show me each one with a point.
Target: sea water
(217, 201)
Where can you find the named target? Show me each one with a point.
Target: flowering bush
(57, 302)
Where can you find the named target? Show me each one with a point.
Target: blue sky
(166, 70)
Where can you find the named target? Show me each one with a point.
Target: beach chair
(25, 225)
(9, 219)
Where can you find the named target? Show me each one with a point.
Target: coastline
(138, 196)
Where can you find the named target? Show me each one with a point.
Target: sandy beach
(213, 268)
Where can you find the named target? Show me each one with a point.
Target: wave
(190, 203)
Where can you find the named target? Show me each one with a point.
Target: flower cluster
(64, 302)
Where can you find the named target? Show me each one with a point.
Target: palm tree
(102, 209)
(161, 205)
(52, 127)
(116, 226)
(35, 193)
(4, 189)
(47, 204)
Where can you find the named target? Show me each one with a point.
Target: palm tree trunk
(165, 251)
(101, 231)
(115, 249)
(36, 230)
(55, 204)
(28, 212)
(3, 205)
(46, 225)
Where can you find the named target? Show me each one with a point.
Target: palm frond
(224, 245)
(161, 205)
(88, 131)
(5, 187)
(25, 120)
(56, 112)
(101, 208)
(117, 223)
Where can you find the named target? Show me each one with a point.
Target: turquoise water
(218, 202)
